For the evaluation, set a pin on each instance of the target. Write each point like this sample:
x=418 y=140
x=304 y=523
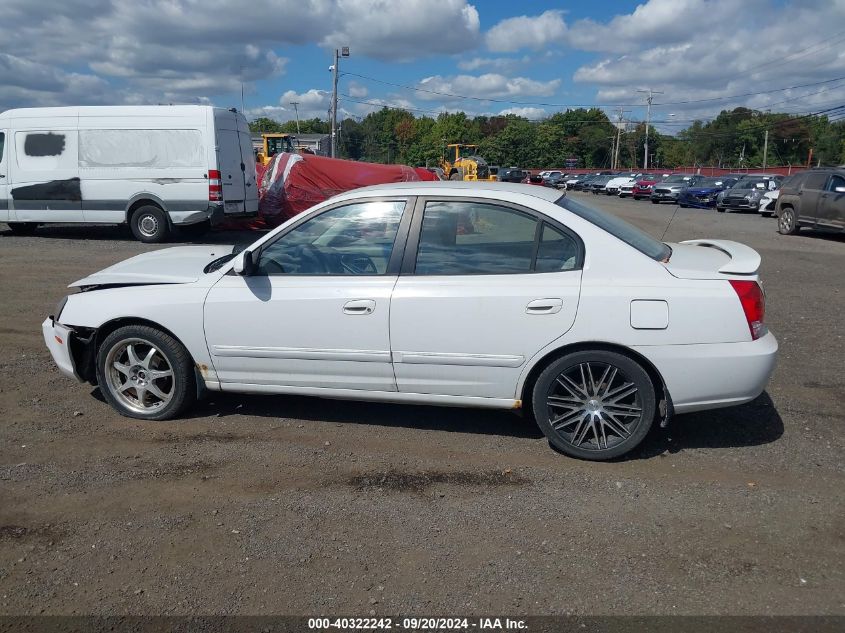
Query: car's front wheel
x=594 y=405
x=787 y=222
x=145 y=373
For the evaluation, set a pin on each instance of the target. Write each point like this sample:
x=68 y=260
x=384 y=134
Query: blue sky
x=529 y=58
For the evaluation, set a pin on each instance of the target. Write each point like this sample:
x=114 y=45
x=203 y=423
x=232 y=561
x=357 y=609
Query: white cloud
x=186 y=50
x=357 y=90
x=499 y=64
x=487 y=86
x=535 y=114
x=512 y=34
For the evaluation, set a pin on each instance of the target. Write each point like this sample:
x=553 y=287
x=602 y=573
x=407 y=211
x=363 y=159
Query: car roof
x=454 y=188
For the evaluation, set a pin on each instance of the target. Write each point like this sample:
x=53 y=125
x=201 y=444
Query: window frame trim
x=399 y=242
x=409 y=261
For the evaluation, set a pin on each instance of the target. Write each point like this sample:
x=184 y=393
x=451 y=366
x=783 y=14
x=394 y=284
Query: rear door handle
x=544 y=306
x=359 y=306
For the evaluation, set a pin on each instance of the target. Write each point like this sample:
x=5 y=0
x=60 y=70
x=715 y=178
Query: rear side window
x=815 y=181
x=475 y=238
x=46 y=151
x=628 y=233
x=2 y=144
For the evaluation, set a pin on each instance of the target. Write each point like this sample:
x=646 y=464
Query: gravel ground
x=288 y=505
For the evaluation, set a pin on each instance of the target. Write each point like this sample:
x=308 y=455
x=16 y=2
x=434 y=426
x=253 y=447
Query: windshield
x=628 y=233
x=676 y=178
x=277 y=145
x=750 y=183
x=710 y=182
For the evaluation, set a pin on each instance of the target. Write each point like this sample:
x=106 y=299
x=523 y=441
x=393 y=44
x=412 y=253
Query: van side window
x=2 y=144
x=45 y=151
x=149 y=149
x=44 y=144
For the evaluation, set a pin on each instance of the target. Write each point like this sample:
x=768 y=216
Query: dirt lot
x=283 y=505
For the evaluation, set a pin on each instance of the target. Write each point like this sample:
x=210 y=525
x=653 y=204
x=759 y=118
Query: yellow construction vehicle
x=462 y=162
x=274 y=144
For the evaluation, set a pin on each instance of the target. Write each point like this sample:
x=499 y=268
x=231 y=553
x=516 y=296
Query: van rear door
x=237 y=172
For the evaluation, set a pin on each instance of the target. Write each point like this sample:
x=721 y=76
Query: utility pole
x=338 y=53
x=765 y=148
x=620 y=120
x=295 y=109
x=650 y=96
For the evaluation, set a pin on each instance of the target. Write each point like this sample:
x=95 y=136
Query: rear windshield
x=628 y=233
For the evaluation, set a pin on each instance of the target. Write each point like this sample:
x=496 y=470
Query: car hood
x=179 y=265
x=742 y=192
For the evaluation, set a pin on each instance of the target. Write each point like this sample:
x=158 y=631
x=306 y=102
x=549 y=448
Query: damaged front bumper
x=58 y=340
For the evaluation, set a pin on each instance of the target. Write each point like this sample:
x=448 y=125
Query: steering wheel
x=359 y=264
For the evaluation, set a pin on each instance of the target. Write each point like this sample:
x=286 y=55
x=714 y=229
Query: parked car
x=598 y=184
x=582 y=183
x=494 y=295
x=768 y=203
x=642 y=187
x=813 y=198
x=703 y=193
x=155 y=168
x=555 y=181
x=615 y=184
x=746 y=193
x=546 y=174
x=534 y=179
x=669 y=189
x=511 y=174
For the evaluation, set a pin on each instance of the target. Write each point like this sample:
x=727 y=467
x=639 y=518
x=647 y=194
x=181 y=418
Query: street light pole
x=650 y=96
x=338 y=53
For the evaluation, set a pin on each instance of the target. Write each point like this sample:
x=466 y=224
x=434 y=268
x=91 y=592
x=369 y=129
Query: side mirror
x=244 y=264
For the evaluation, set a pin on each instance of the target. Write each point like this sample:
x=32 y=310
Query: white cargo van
x=157 y=168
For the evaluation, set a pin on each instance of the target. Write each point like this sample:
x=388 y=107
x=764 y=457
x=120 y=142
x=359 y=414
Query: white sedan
x=460 y=294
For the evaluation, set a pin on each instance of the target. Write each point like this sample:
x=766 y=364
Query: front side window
x=355 y=239
x=477 y=238
x=835 y=181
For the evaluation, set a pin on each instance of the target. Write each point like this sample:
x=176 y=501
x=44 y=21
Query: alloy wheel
x=139 y=375
x=594 y=406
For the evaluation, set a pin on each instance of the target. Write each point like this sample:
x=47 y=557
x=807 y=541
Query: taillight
x=215 y=186
x=753 y=304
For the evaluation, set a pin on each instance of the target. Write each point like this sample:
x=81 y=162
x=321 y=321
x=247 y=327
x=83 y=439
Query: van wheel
x=23 y=228
x=149 y=225
x=594 y=404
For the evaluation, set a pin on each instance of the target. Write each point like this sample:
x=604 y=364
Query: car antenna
x=670 y=222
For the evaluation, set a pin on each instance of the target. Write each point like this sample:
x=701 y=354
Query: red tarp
x=296 y=182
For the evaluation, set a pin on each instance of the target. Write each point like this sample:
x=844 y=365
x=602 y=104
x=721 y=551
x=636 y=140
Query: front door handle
x=544 y=306
x=359 y=306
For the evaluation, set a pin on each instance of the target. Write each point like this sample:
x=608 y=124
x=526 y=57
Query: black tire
x=720 y=209
x=788 y=221
x=149 y=224
x=195 y=231
x=766 y=214
x=653 y=201
x=455 y=176
x=23 y=228
x=684 y=206
x=615 y=373
x=169 y=355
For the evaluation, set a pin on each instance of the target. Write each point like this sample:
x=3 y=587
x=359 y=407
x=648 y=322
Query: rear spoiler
x=744 y=259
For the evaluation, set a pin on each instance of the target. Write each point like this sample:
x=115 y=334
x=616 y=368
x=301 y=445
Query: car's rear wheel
x=145 y=373
x=720 y=209
x=653 y=201
x=594 y=404
x=787 y=222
